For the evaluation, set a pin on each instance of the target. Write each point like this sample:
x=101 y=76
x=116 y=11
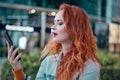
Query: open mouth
x=54 y=34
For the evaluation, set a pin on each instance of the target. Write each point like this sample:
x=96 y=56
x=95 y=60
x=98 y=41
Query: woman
x=72 y=49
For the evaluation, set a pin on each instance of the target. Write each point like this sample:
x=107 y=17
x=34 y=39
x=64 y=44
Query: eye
x=60 y=23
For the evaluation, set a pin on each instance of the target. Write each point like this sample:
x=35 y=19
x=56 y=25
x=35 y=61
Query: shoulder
x=49 y=59
x=91 y=63
x=91 y=71
x=91 y=66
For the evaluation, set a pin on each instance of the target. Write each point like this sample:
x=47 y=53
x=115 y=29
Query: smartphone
x=9 y=40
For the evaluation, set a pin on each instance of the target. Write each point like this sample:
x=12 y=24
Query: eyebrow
x=58 y=20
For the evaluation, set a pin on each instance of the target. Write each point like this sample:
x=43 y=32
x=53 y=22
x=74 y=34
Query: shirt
x=47 y=70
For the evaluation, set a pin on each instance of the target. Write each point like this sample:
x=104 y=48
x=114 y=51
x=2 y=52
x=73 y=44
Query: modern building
x=33 y=12
x=98 y=10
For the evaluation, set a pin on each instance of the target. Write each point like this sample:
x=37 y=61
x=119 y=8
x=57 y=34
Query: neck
x=66 y=47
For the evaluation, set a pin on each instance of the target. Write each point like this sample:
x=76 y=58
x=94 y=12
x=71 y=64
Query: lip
x=54 y=34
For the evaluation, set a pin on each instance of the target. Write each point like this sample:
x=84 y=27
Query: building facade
x=100 y=12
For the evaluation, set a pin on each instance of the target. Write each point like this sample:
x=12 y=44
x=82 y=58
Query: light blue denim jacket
x=47 y=70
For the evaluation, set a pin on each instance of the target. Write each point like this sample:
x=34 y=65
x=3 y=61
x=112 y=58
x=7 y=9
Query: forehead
x=59 y=16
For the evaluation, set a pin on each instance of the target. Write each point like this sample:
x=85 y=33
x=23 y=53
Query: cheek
x=63 y=33
x=62 y=37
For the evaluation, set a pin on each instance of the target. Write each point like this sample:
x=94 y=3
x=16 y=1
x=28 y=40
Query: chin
x=56 y=40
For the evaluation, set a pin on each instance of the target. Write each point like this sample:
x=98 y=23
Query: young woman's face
x=58 y=29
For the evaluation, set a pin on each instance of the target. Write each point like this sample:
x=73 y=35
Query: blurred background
x=28 y=23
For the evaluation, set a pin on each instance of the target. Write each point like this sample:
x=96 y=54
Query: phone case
x=7 y=37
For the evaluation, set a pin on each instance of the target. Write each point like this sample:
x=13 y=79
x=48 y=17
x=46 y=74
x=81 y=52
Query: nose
x=53 y=27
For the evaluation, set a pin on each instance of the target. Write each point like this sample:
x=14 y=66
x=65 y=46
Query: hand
x=12 y=59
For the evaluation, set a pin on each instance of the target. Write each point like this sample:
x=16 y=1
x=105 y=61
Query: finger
x=8 y=45
x=10 y=51
x=17 y=58
x=14 y=53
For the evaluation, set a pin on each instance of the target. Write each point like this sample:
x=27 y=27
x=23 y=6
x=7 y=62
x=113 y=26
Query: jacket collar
x=59 y=56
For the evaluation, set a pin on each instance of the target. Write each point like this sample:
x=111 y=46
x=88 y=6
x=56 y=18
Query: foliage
x=110 y=69
x=6 y=72
x=110 y=74
x=30 y=63
x=110 y=65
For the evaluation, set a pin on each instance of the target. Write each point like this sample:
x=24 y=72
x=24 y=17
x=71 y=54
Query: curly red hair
x=84 y=43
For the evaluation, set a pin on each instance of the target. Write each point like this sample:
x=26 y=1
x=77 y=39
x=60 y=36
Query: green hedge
x=30 y=63
x=110 y=74
x=110 y=66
